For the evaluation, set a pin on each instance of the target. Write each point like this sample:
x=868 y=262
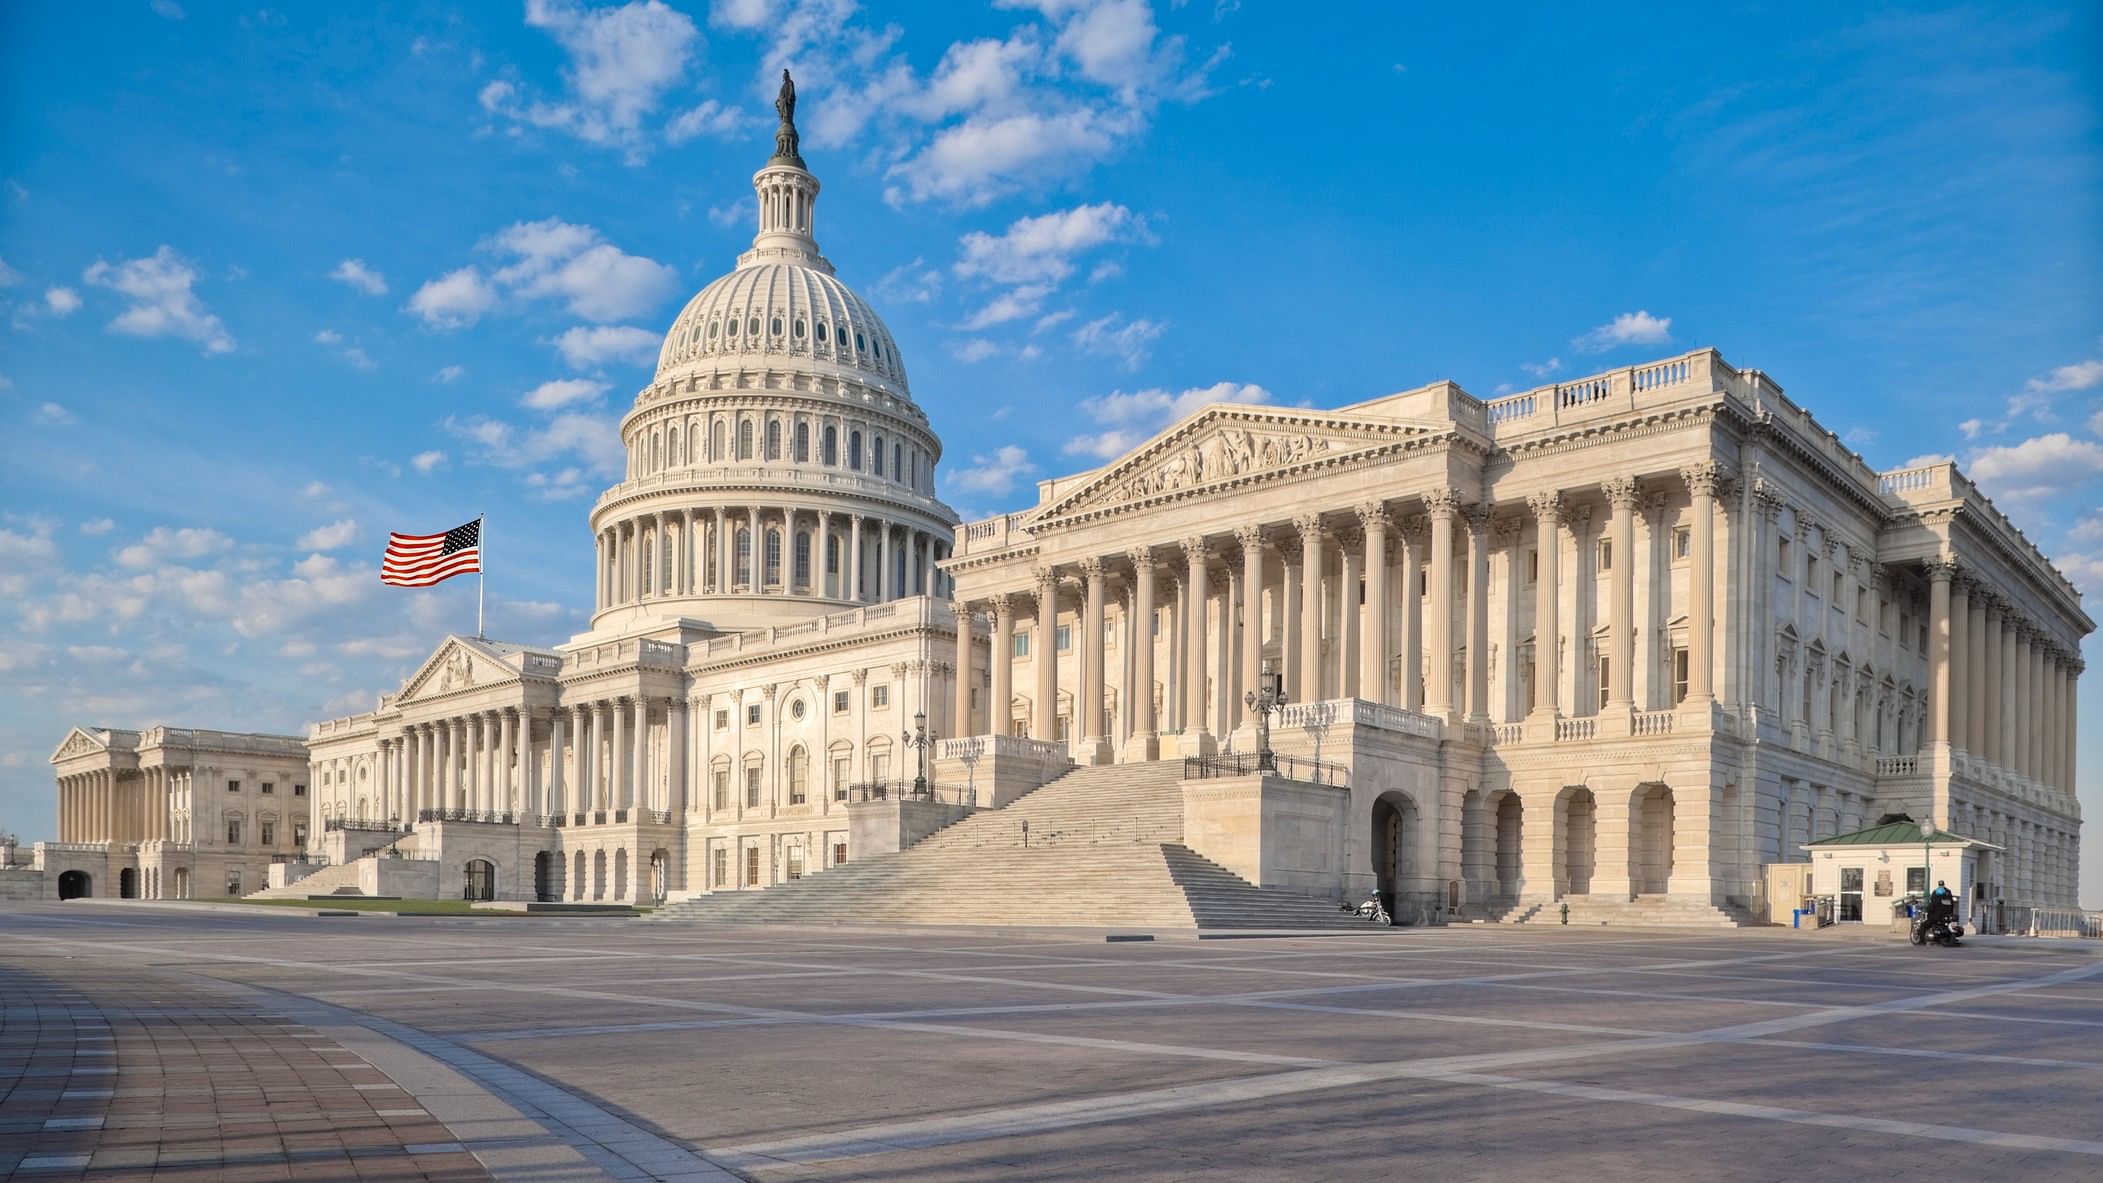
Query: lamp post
x=918 y=739
x=1267 y=698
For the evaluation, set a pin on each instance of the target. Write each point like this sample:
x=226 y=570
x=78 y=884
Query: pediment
x=459 y=664
x=78 y=742
x=1229 y=444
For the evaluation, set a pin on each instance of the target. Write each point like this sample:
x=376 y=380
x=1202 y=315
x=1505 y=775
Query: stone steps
x=1640 y=912
x=326 y=881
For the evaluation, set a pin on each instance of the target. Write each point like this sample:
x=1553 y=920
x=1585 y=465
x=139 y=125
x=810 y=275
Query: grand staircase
x=1097 y=847
x=1644 y=911
x=334 y=879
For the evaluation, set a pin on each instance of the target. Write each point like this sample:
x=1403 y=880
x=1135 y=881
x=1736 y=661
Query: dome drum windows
x=774 y=327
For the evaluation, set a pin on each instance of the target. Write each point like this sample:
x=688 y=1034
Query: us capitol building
x=1631 y=637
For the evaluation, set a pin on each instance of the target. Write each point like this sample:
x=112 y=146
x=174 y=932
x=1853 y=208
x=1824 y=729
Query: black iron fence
x=361 y=825
x=908 y=790
x=467 y=815
x=1319 y=772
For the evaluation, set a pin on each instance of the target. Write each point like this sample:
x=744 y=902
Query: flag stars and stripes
x=420 y=560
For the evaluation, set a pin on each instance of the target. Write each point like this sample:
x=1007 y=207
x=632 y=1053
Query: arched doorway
x=1578 y=824
x=480 y=880
x=75 y=885
x=546 y=867
x=578 y=881
x=128 y=884
x=620 y=873
x=1511 y=819
x=1395 y=836
x=182 y=883
x=660 y=875
x=598 y=874
x=1650 y=839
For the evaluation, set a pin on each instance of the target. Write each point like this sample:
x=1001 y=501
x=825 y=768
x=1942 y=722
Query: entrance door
x=481 y=880
x=128 y=884
x=73 y=885
x=1851 y=893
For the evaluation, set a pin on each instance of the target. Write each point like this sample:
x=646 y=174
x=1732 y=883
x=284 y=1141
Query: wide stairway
x=334 y=879
x=1098 y=847
x=1644 y=911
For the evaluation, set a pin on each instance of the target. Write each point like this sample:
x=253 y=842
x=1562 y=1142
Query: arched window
x=876 y=455
x=802 y=454
x=832 y=446
x=773 y=439
x=664 y=544
x=799 y=775
x=897 y=462
x=649 y=567
x=773 y=555
x=912 y=471
x=854 y=450
x=832 y=555
x=744 y=555
x=675 y=447
x=745 y=439
x=715 y=447
x=803 y=558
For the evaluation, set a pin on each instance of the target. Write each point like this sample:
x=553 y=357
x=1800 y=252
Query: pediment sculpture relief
x=78 y=745
x=459 y=671
x=1229 y=452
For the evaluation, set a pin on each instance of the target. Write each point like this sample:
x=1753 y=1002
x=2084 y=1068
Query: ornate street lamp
x=1264 y=701
x=918 y=739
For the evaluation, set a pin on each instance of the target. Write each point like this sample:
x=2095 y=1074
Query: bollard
x=1565 y=909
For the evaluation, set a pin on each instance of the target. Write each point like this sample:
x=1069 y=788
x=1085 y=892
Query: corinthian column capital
x=1442 y=503
x=1622 y=493
x=1546 y=506
x=1704 y=479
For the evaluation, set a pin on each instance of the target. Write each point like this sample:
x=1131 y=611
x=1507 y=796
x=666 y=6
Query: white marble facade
x=1633 y=634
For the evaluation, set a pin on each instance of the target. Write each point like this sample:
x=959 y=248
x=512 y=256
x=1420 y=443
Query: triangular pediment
x=1229 y=444
x=459 y=664
x=79 y=742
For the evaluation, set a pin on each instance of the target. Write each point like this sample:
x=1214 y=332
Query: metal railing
x=361 y=825
x=905 y=790
x=2038 y=920
x=467 y=815
x=1319 y=772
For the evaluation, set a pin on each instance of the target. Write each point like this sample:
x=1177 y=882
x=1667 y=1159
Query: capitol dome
x=778 y=467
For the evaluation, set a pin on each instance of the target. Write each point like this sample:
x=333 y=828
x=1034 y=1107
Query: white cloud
x=1131 y=341
x=52 y=415
x=560 y=485
x=329 y=537
x=993 y=475
x=167 y=9
x=2095 y=423
x=1541 y=369
x=585 y=346
x=1926 y=458
x=2079 y=376
x=1971 y=428
x=1013 y=304
x=97 y=527
x=910 y=283
x=989 y=156
x=622 y=62
x=1043 y=248
x=711 y=119
x=158 y=300
x=1629 y=328
x=427 y=461
x=449 y=374
x=62 y=301
x=592 y=440
x=1128 y=419
x=314 y=489
x=562 y=392
x=9 y=277
x=355 y=273
x=742 y=211
x=2036 y=467
x=162 y=545
x=973 y=351
x=349 y=353
x=455 y=300
x=33 y=547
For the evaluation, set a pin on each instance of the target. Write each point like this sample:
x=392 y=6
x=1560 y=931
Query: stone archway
x=479 y=880
x=620 y=873
x=1577 y=840
x=75 y=885
x=660 y=876
x=578 y=879
x=128 y=884
x=1650 y=853
x=1397 y=830
x=547 y=872
x=1511 y=829
x=182 y=883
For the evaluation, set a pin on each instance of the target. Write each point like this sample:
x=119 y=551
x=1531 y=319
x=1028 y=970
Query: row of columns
x=695 y=553
x=104 y=806
x=2001 y=690
x=488 y=762
x=1364 y=643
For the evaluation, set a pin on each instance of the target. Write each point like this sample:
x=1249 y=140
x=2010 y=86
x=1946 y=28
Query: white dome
x=768 y=313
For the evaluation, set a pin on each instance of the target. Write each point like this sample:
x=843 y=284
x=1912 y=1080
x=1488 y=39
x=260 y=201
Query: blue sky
x=274 y=281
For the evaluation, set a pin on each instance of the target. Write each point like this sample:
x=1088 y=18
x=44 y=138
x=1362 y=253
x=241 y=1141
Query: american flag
x=420 y=560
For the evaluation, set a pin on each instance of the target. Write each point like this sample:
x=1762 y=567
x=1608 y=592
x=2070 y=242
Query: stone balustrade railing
x=1004 y=747
x=1576 y=729
x=786 y=475
x=1898 y=765
x=1597 y=394
x=1654 y=722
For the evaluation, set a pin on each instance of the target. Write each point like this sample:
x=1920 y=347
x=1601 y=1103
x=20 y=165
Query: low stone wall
x=1270 y=831
x=884 y=827
x=410 y=879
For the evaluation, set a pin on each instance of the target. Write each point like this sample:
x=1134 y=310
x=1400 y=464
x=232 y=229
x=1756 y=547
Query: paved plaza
x=153 y=1042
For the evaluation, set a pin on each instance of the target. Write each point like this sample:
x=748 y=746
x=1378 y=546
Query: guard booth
x=1870 y=871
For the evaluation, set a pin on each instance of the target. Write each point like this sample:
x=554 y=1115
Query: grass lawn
x=409 y=907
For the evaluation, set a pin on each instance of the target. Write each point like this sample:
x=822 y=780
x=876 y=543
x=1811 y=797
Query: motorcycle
x=1372 y=909
x=1937 y=929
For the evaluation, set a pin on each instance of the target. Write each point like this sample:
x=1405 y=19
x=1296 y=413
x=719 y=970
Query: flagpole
x=482 y=541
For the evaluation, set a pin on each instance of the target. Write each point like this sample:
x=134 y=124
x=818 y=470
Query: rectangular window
x=1781 y=559
x=1606 y=674
x=233 y=786
x=880 y=768
x=1606 y=554
x=299 y=835
x=1682 y=542
x=722 y=720
x=1679 y=676
x=1916 y=880
x=752 y=866
x=269 y=833
x=1811 y=580
x=720 y=868
x=233 y=882
x=1839 y=586
x=839 y=853
x=299 y=790
x=880 y=696
x=1022 y=644
x=1533 y=567
x=752 y=715
x=269 y=789
x=795 y=862
x=233 y=832
x=1065 y=635
x=752 y=787
x=840 y=701
x=840 y=767
x=722 y=786
x=1862 y=605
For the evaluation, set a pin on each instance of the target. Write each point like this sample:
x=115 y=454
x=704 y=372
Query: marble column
x=1000 y=700
x=1289 y=557
x=1622 y=495
x=558 y=791
x=676 y=773
x=1195 y=740
x=1940 y=573
x=1547 y=624
x=1312 y=559
x=1476 y=613
x=1975 y=666
x=960 y=709
x=1993 y=693
x=641 y=792
x=1251 y=540
x=1145 y=741
x=1442 y=505
x=1960 y=663
x=1350 y=553
x=2020 y=720
x=1411 y=616
x=507 y=750
x=854 y=559
x=1095 y=745
x=1703 y=480
x=1044 y=657
x=1373 y=643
